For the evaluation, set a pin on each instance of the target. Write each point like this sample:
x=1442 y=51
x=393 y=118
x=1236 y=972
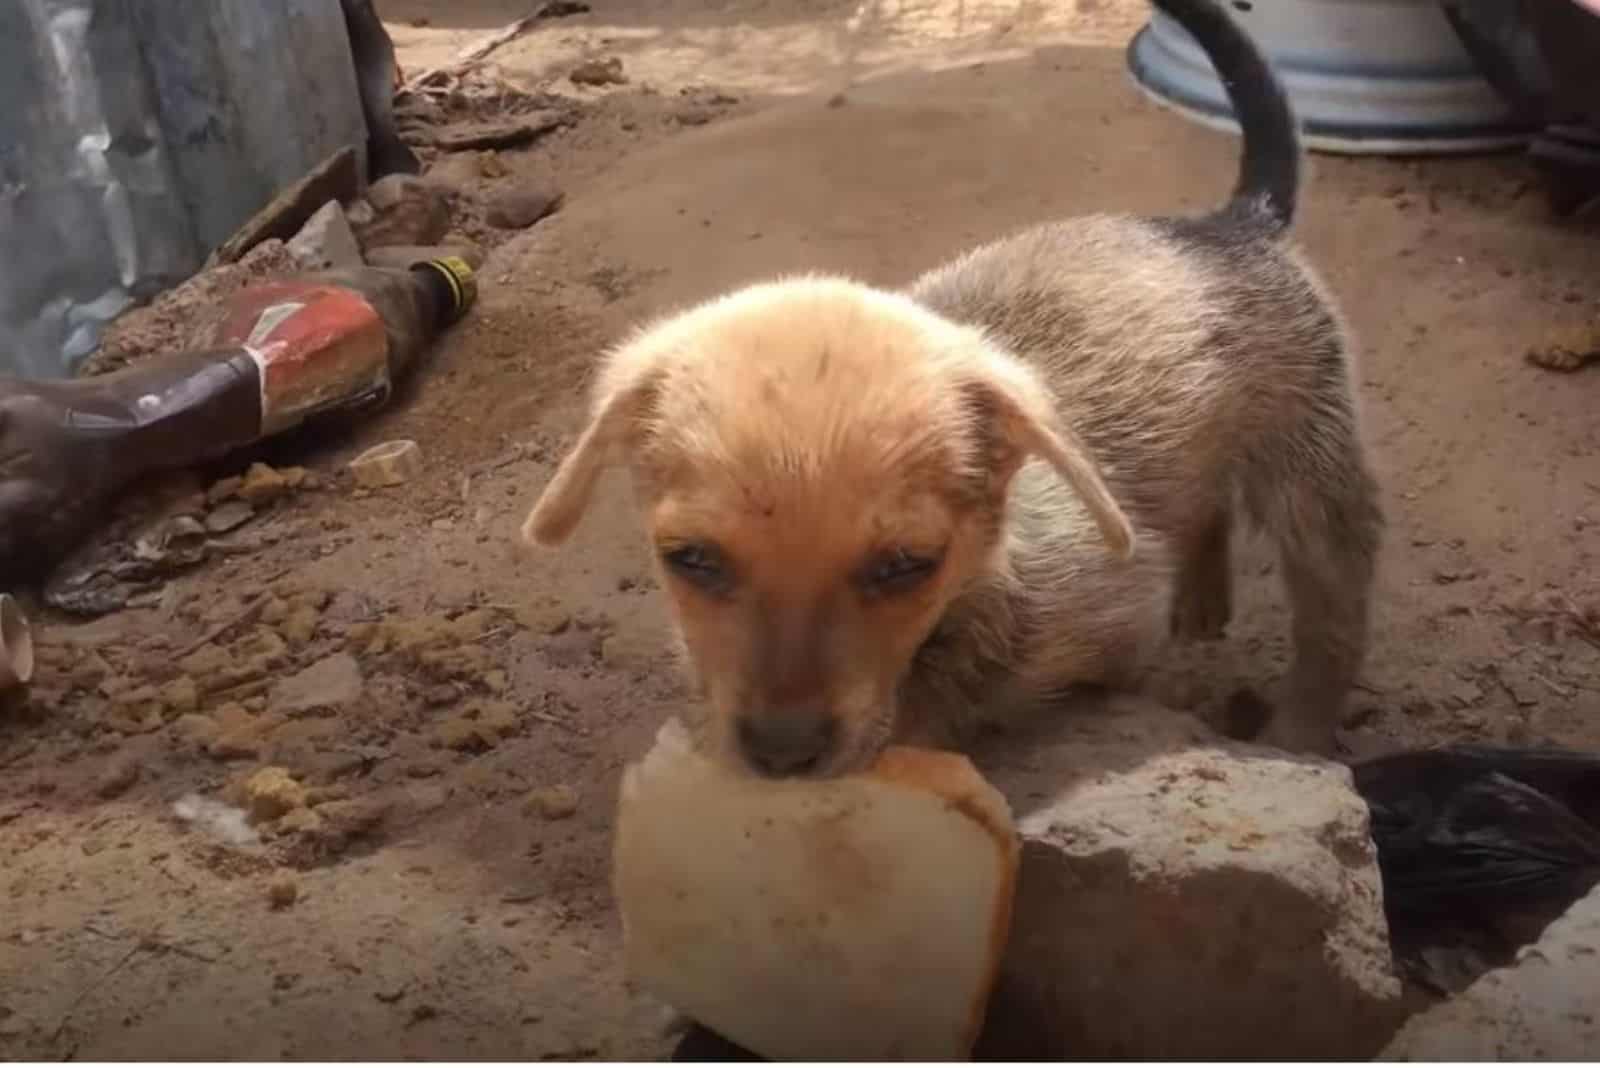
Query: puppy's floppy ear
x=620 y=402
x=1016 y=419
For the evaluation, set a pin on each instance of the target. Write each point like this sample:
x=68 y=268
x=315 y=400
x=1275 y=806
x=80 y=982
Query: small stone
x=300 y=821
x=272 y=792
x=118 y=778
x=490 y=165
x=359 y=213
x=464 y=735
x=333 y=682
x=281 y=893
x=345 y=821
x=598 y=72
x=223 y=489
x=229 y=515
x=694 y=115
x=180 y=697
x=495 y=681
x=238 y=734
x=196 y=730
x=553 y=802
x=274 y=611
x=141 y=719
x=326 y=240
x=262 y=485
x=208 y=660
x=391 y=463
x=517 y=209
x=409 y=211
x=499 y=717
x=300 y=626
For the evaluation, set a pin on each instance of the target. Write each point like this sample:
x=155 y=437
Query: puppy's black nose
x=791 y=742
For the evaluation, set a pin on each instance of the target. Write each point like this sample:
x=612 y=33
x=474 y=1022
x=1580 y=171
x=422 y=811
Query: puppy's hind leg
x=1319 y=501
x=1203 y=604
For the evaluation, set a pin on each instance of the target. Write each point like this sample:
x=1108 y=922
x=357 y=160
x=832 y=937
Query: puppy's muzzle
x=790 y=741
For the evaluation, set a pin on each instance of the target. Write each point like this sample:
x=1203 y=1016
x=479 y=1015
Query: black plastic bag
x=1479 y=849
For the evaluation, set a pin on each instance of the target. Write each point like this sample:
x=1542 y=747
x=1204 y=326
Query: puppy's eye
x=898 y=571
x=700 y=564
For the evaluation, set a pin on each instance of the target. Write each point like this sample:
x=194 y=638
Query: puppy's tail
x=1269 y=173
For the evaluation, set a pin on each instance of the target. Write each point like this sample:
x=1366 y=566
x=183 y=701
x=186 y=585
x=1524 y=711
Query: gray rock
x=517 y=209
x=1185 y=898
x=326 y=240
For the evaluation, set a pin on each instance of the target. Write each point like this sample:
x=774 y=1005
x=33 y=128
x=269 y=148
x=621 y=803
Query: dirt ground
x=454 y=711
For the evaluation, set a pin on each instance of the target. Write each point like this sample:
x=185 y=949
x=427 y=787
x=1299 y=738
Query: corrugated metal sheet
x=136 y=135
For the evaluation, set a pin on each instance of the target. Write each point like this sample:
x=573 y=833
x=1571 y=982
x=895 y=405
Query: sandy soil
x=454 y=712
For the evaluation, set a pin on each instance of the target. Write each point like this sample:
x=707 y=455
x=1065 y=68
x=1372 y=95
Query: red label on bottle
x=318 y=347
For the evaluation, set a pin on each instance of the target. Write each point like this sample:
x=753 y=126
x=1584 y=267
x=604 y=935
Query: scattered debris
x=119 y=777
x=273 y=792
x=326 y=240
x=263 y=484
x=392 y=463
x=480 y=727
x=217 y=819
x=282 y=893
x=331 y=683
x=229 y=515
x=105 y=577
x=342 y=823
x=553 y=802
x=517 y=209
x=598 y=72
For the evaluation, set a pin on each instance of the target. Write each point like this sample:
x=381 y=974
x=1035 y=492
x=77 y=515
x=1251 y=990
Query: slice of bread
x=860 y=918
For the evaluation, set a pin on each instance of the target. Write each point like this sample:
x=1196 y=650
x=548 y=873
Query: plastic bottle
x=288 y=351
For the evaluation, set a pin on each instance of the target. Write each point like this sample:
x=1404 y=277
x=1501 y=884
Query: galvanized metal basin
x=1384 y=77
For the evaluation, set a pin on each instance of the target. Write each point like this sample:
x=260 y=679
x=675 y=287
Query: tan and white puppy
x=887 y=516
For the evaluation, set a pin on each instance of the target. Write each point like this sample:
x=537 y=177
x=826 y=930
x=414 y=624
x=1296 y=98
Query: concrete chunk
x=326 y=240
x=1544 y=1007
x=1184 y=898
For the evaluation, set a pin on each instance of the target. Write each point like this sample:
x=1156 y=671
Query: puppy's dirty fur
x=890 y=516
